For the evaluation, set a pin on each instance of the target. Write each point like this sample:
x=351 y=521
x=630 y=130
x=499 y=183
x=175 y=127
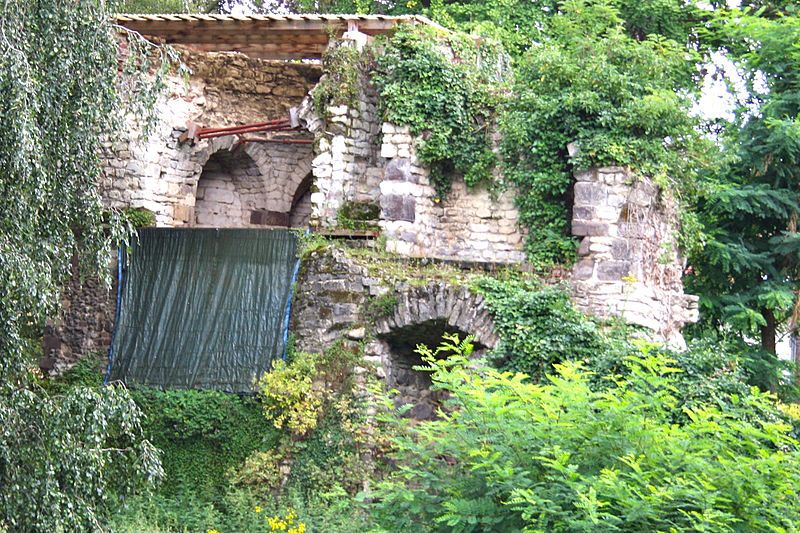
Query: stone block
x=399 y=169
x=583 y=228
x=219 y=195
x=583 y=212
x=584 y=269
x=396 y=207
x=183 y=213
x=388 y=151
x=612 y=270
x=589 y=193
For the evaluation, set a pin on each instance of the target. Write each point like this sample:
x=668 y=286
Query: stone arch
x=301 y=210
x=230 y=188
x=277 y=170
x=422 y=316
x=284 y=167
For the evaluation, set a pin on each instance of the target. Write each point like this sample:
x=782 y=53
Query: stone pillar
x=629 y=265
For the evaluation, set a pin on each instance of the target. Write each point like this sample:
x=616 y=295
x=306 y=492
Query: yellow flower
x=258 y=509
x=213 y=531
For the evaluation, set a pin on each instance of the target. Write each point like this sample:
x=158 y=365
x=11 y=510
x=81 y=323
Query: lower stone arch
x=422 y=316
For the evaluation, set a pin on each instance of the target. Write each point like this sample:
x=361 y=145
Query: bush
x=537 y=325
x=510 y=455
x=202 y=434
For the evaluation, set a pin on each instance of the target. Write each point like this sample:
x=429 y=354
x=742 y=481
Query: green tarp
x=203 y=308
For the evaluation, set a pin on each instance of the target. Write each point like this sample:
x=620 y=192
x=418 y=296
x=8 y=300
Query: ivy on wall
x=589 y=94
x=445 y=88
x=612 y=99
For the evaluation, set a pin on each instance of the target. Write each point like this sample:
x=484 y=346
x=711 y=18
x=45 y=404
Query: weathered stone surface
x=581 y=228
x=396 y=207
x=331 y=302
x=399 y=170
x=629 y=266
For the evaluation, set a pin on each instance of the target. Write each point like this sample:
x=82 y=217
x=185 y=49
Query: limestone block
x=584 y=228
x=612 y=270
x=388 y=151
x=589 y=193
x=584 y=269
x=398 y=207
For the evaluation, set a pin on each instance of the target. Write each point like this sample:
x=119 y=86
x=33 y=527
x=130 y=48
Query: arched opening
x=422 y=316
x=414 y=386
x=229 y=190
x=300 y=212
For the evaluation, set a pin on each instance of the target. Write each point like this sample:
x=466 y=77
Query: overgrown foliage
x=62 y=457
x=66 y=459
x=342 y=65
x=538 y=326
x=448 y=101
x=512 y=455
x=748 y=271
x=592 y=89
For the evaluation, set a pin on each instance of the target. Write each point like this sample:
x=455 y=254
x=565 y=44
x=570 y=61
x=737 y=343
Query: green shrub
x=313 y=400
x=512 y=455
x=537 y=325
x=202 y=434
x=448 y=103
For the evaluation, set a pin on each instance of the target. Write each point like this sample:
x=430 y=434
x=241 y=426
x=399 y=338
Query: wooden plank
x=273 y=38
x=292 y=36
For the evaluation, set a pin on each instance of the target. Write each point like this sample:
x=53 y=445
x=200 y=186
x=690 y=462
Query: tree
x=63 y=458
x=171 y=6
x=748 y=272
x=618 y=100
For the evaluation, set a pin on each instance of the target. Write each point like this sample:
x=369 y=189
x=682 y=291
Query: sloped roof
x=263 y=36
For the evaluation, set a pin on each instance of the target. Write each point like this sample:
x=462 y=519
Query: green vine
x=447 y=102
x=613 y=99
x=339 y=85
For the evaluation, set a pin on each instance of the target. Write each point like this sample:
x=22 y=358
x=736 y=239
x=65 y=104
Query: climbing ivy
x=593 y=90
x=445 y=88
x=340 y=82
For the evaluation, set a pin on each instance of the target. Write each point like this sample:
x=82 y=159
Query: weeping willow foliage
x=65 y=82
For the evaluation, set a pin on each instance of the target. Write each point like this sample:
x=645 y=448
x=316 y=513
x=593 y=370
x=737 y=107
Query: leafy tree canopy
x=64 y=457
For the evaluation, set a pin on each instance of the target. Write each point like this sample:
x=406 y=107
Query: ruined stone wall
x=337 y=297
x=467 y=224
x=161 y=174
x=346 y=166
x=361 y=159
x=85 y=324
x=629 y=264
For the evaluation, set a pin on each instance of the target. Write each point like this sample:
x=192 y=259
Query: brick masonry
x=629 y=265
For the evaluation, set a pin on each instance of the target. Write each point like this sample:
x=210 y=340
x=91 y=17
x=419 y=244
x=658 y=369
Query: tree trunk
x=768 y=332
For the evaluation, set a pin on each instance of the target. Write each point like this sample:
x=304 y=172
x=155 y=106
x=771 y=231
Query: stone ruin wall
x=628 y=263
x=359 y=158
x=335 y=299
x=206 y=184
x=356 y=157
x=170 y=179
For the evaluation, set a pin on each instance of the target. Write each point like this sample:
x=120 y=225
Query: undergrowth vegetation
x=289 y=458
x=562 y=454
x=570 y=424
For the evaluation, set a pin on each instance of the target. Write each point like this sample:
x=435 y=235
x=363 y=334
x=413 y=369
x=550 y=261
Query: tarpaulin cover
x=203 y=308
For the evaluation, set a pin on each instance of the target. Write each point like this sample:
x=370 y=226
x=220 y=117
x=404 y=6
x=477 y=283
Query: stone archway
x=253 y=184
x=422 y=316
x=229 y=190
